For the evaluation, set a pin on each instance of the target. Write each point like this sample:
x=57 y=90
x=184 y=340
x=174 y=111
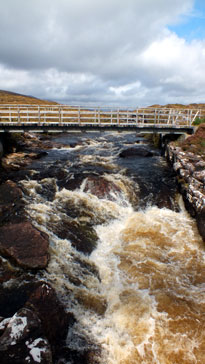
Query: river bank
x=187 y=158
x=109 y=238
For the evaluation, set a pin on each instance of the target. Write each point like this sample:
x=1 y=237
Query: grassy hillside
x=195 y=143
x=7 y=97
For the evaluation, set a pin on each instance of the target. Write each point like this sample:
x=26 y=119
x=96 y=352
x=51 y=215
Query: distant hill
x=8 y=97
x=181 y=106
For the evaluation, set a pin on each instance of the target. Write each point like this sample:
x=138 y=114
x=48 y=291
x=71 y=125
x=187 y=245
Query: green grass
x=199 y=121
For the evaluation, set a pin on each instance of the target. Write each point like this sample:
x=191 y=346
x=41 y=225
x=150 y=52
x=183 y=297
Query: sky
x=104 y=52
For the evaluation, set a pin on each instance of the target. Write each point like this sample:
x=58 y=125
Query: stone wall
x=190 y=171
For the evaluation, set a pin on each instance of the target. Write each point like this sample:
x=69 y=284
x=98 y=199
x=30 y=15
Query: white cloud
x=102 y=52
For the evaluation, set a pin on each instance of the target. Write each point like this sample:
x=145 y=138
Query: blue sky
x=192 y=25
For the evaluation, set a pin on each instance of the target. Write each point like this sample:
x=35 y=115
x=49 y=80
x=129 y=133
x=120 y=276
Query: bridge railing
x=62 y=114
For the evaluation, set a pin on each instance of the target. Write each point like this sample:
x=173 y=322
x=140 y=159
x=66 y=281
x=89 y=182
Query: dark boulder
x=47 y=189
x=9 y=193
x=22 y=340
x=71 y=183
x=137 y=151
x=101 y=187
x=25 y=245
x=11 y=203
x=56 y=172
x=54 y=319
x=200 y=219
x=82 y=236
x=16 y=292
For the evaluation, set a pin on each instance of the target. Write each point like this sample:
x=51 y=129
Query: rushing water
x=139 y=296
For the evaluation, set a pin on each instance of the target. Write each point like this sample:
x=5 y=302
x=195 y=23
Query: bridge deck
x=18 y=118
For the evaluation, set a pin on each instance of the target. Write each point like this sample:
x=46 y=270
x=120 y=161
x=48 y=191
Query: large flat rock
x=25 y=244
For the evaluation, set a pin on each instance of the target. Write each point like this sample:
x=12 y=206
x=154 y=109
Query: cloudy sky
x=104 y=52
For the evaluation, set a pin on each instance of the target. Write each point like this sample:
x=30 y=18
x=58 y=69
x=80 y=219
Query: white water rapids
x=140 y=295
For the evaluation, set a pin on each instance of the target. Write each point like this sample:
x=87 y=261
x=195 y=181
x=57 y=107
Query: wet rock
x=16 y=161
x=58 y=173
x=101 y=187
x=11 y=203
x=7 y=272
x=47 y=189
x=137 y=151
x=200 y=165
x=3 y=324
x=31 y=136
x=164 y=200
x=55 y=320
x=82 y=236
x=189 y=168
x=18 y=328
x=22 y=340
x=86 y=356
x=37 y=154
x=71 y=182
x=40 y=299
x=9 y=192
x=25 y=245
x=200 y=176
x=14 y=293
x=200 y=219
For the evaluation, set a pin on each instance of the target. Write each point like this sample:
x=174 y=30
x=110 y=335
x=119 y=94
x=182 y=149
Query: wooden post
x=118 y=117
x=79 y=120
x=137 y=116
x=99 y=115
x=169 y=116
x=45 y=116
x=39 y=115
x=188 y=118
x=19 y=118
x=59 y=112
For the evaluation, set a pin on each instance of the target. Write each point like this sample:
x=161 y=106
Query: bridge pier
x=165 y=139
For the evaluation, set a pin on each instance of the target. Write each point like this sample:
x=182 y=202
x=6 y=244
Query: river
x=125 y=256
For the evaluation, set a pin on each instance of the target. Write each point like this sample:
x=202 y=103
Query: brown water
x=146 y=304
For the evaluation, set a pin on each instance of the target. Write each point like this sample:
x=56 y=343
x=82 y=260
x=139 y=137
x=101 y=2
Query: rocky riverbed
x=33 y=322
x=188 y=161
x=81 y=192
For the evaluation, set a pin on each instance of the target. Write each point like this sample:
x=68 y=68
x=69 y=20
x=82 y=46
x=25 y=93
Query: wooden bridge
x=55 y=118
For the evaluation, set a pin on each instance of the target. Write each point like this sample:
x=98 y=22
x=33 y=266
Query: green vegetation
x=195 y=143
x=199 y=121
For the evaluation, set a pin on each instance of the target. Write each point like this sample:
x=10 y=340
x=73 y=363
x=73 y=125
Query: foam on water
x=140 y=294
x=151 y=266
x=155 y=296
